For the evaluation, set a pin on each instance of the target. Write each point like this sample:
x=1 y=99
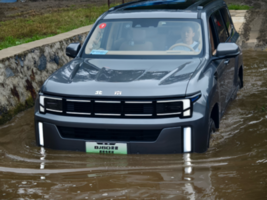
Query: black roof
x=163 y=5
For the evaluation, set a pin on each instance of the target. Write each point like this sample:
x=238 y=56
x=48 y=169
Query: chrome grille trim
x=70 y=100
x=169 y=101
x=138 y=115
x=47 y=97
x=107 y=114
x=162 y=114
x=107 y=102
x=78 y=113
x=59 y=111
x=133 y=102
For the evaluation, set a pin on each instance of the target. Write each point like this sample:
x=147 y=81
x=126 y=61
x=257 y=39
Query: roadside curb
x=12 y=51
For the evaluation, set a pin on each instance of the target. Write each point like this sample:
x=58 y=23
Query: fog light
x=41 y=134
x=187 y=140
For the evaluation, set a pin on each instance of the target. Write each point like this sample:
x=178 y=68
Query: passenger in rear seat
x=188 y=34
x=138 y=41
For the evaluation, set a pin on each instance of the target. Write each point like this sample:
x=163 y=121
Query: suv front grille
x=106 y=107
x=138 y=108
x=156 y=108
x=78 y=107
x=109 y=134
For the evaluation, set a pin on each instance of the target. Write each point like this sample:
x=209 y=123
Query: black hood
x=123 y=77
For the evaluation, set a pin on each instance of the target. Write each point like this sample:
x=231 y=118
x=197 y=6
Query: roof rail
x=119 y=6
x=125 y=4
x=199 y=8
x=201 y=4
x=206 y=2
x=196 y=4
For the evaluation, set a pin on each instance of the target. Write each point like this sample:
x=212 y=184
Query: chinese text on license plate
x=108 y=148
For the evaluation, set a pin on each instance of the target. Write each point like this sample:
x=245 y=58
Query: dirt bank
x=20 y=9
x=36 y=7
x=253 y=32
x=28 y=8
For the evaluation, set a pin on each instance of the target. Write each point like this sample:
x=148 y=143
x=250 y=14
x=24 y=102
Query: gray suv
x=152 y=77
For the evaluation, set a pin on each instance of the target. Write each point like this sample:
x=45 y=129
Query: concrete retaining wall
x=24 y=68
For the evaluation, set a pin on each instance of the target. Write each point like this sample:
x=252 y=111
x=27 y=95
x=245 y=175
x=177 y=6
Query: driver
x=188 y=33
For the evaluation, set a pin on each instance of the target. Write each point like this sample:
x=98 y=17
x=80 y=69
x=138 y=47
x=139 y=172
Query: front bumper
x=170 y=140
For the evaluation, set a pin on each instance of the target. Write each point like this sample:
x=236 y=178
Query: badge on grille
x=98 y=92
x=117 y=93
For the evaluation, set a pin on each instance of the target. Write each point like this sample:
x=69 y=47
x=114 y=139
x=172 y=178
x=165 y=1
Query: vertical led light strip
x=42 y=103
x=187 y=140
x=186 y=104
x=41 y=134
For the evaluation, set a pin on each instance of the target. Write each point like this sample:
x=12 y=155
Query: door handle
x=226 y=62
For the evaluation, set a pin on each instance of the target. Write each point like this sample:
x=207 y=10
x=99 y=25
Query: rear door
x=232 y=61
x=226 y=67
x=233 y=36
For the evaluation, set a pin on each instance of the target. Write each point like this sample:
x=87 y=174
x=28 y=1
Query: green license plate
x=106 y=148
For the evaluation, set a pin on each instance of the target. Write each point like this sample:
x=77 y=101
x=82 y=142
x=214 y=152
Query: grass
x=21 y=30
x=36 y=27
x=238 y=7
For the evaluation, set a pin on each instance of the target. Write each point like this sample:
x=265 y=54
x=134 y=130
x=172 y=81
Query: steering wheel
x=181 y=44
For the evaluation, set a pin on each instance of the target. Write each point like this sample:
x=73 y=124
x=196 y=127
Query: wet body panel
x=120 y=78
x=143 y=78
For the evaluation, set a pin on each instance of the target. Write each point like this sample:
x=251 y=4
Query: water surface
x=235 y=167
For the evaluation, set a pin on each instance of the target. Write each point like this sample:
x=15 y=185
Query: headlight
x=181 y=107
x=50 y=104
x=169 y=108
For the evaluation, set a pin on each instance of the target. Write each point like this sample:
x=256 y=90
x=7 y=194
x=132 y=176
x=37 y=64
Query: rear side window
x=227 y=20
x=212 y=39
x=219 y=26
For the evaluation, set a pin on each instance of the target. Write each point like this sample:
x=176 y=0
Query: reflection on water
x=233 y=168
x=42 y=158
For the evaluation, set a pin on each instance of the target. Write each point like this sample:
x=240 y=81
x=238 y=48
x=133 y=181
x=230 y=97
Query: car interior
x=124 y=36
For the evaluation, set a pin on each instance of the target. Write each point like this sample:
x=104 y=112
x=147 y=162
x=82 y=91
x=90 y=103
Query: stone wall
x=22 y=75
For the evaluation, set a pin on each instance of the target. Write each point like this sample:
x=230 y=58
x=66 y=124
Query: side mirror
x=73 y=49
x=227 y=50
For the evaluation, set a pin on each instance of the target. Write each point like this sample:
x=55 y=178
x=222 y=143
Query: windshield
x=146 y=37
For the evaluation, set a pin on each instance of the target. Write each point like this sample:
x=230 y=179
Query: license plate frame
x=106 y=148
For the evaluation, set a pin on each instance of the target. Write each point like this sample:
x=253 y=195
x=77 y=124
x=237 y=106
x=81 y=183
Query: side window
x=212 y=38
x=220 y=28
x=227 y=20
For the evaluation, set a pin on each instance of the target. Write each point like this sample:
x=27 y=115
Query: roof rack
x=125 y=4
x=163 y=4
x=206 y=2
x=119 y=6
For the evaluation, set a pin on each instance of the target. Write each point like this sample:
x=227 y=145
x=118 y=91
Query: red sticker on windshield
x=101 y=26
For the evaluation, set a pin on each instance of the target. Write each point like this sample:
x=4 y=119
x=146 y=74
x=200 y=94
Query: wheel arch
x=215 y=115
x=240 y=75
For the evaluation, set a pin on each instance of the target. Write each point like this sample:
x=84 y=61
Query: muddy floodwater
x=235 y=167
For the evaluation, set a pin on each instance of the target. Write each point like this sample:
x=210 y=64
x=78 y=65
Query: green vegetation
x=19 y=108
x=238 y=7
x=21 y=30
